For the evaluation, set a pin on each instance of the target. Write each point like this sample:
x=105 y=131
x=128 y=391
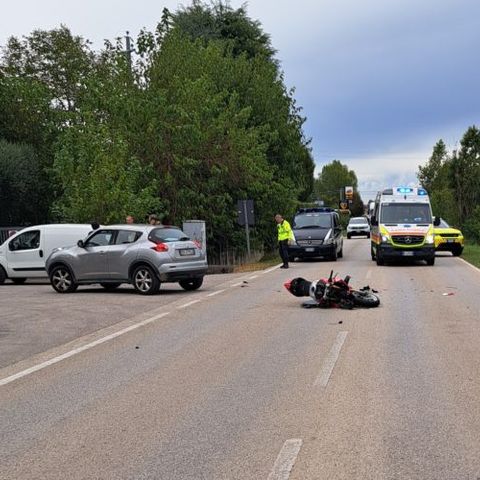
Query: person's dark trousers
x=283 y=250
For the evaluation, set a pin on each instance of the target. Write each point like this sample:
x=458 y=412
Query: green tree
x=435 y=176
x=465 y=168
x=333 y=178
x=99 y=179
x=219 y=21
x=430 y=171
x=21 y=185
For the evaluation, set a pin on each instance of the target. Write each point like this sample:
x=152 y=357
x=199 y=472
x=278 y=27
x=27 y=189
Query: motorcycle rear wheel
x=365 y=299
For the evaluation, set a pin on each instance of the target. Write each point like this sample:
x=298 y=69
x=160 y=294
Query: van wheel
x=334 y=255
x=3 y=275
x=62 y=280
x=19 y=281
x=145 y=281
x=349 y=236
x=340 y=253
x=109 y=287
x=431 y=261
x=193 y=284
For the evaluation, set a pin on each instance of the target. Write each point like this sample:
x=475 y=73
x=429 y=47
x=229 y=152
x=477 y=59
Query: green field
x=471 y=253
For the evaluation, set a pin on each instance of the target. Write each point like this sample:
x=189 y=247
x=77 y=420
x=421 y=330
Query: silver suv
x=358 y=226
x=144 y=256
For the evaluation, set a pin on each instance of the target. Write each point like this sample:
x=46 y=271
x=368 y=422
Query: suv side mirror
x=436 y=221
x=373 y=221
x=81 y=244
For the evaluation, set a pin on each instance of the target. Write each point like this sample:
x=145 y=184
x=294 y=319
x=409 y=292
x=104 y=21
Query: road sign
x=246 y=213
x=246 y=218
x=349 y=193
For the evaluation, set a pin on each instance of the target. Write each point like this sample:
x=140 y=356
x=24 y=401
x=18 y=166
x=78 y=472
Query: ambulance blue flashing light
x=404 y=190
x=421 y=191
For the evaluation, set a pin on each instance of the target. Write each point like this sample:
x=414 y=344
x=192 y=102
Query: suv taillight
x=197 y=244
x=160 y=247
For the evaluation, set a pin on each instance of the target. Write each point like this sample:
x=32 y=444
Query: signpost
x=246 y=218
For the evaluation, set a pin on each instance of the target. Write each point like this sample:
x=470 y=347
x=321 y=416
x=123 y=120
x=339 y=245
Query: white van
x=23 y=255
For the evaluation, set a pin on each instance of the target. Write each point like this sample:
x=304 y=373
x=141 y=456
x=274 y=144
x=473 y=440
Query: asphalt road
x=245 y=384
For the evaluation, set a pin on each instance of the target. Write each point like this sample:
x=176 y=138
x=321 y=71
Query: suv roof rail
x=315 y=210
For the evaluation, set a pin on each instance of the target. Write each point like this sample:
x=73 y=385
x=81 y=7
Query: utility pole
x=129 y=50
x=247 y=228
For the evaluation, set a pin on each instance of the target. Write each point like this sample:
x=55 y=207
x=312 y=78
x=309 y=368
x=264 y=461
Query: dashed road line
x=237 y=284
x=218 y=292
x=330 y=361
x=188 y=304
x=286 y=460
x=253 y=277
x=71 y=353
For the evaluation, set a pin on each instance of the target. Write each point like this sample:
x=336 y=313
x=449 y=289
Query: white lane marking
x=272 y=269
x=237 y=284
x=369 y=273
x=253 y=277
x=331 y=360
x=188 y=304
x=215 y=293
x=286 y=460
x=75 y=351
x=469 y=264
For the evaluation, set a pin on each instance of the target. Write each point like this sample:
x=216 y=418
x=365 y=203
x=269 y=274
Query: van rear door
x=25 y=255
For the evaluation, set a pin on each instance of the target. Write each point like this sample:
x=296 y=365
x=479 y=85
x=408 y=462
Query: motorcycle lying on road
x=332 y=292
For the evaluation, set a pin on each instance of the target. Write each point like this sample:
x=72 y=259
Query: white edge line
x=469 y=264
x=215 y=293
x=286 y=460
x=253 y=277
x=330 y=361
x=185 y=305
x=71 y=353
x=237 y=284
x=272 y=269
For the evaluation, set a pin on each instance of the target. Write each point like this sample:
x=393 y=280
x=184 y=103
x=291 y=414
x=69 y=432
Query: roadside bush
x=471 y=228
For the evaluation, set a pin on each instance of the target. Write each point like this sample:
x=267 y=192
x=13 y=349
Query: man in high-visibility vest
x=285 y=234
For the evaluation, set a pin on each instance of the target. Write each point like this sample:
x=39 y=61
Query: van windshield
x=406 y=213
x=313 y=220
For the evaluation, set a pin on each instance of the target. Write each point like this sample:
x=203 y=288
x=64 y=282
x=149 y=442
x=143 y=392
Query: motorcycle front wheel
x=365 y=299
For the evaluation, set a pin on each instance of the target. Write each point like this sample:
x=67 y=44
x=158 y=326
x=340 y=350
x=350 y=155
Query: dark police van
x=317 y=234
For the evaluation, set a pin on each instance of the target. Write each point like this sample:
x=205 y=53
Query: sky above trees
x=380 y=81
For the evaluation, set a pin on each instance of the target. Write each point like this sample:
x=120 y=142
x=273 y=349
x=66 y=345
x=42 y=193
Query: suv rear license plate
x=407 y=254
x=184 y=252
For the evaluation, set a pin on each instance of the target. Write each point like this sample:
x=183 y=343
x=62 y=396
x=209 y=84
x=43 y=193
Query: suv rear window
x=313 y=220
x=166 y=235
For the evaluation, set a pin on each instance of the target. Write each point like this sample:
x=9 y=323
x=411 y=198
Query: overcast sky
x=380 y=81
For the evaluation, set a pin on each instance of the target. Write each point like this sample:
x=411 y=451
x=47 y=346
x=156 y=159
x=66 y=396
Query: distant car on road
x=317 y=234
x=358 y=226
x=142 y=255
x=448 y=239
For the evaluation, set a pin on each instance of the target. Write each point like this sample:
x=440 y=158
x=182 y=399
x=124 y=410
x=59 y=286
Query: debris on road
x=448 y=294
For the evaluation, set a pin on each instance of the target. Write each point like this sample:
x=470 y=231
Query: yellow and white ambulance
x=403 y=225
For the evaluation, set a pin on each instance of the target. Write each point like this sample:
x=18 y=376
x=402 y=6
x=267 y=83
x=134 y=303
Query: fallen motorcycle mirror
x=332 y=292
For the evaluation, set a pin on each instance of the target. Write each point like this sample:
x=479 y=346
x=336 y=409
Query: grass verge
x=471 y=253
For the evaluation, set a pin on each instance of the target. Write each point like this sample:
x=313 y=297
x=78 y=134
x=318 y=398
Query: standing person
x=129 y=220
x=285 y=233
x=154 y=220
